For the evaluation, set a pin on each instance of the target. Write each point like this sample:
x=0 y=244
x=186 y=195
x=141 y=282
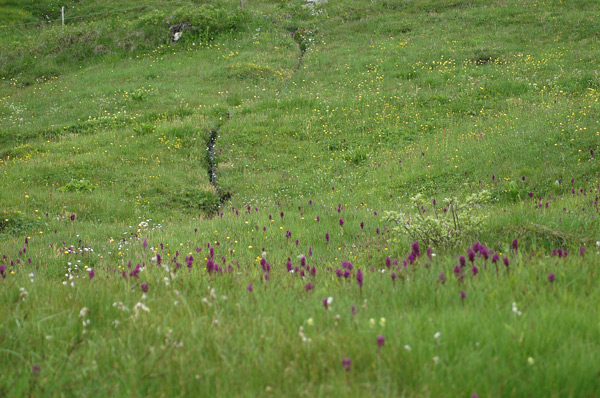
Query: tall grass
x=316 y=119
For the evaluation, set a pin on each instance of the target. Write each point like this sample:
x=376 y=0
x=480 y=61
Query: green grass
x=341 y=111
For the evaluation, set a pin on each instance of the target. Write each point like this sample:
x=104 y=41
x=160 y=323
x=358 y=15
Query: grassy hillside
x=218 y=186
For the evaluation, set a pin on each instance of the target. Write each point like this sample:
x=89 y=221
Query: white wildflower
x=140 y=307
x=515 y=309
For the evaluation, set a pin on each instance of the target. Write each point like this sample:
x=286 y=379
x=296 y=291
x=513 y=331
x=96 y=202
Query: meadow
x=347 y=198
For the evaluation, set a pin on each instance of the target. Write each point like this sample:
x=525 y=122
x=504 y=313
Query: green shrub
x=144 y=128
x=445 y=226
x=78 y=186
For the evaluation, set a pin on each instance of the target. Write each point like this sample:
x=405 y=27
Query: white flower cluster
x=515 y=309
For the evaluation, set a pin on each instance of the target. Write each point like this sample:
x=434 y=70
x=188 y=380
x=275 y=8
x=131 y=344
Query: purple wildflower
x=442 y=278
x=145 y=244
x=415 y=248
x=380 y=341
x=471 y=255
x=359 y=278
x=551 y=277
x=484 y=253
x=250 y=287
x=91 y=273
x=346 y=364
x=144 y=287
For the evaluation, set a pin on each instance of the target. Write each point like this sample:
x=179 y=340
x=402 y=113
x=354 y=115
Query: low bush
x=445 y=226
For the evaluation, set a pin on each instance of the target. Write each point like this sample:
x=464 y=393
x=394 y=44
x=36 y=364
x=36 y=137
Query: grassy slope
x=456 y=92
